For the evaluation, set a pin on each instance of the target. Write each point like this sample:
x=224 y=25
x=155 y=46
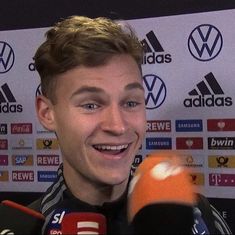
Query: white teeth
x=111 y=147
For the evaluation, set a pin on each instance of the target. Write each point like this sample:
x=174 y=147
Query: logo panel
x=193 y=125
x=3 y=128
x=4 y=176
x=159 y=143
x=205 y=42
x=221 y=124
x=189 y=143
x=48 y=160
x=47 y=176
x=158 y=126
x=22 y=160
x=197 y=178
x=22 y=176
x=49 y=143
x=3 y=160
x=7 y=57
x=222 y=179
x=221 y=161
x=21 y=128
x=21 y=143
x=3 y=144
x=221 y=142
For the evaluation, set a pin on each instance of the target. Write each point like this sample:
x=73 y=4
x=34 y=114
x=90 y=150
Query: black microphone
x=161 y=197
x=17 y=219
x=84 y=223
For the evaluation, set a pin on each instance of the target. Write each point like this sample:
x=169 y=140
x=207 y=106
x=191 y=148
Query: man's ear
x=45 y=112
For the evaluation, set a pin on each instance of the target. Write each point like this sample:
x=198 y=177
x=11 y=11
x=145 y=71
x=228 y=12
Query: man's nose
x=114 y=120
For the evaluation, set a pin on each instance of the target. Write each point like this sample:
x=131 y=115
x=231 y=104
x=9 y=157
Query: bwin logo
x=208 y=94
x=205 y=42
x=156 y=91
x=7 y=57
x=154 y=52
x=8 y=102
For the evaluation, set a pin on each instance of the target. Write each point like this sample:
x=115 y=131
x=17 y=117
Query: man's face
x=100 y=121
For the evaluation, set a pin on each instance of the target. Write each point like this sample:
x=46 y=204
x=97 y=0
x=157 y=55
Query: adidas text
x=208 y=101
x=153 y=58
x=11 y=108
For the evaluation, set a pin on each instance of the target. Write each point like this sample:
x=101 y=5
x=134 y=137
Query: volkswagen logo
x=205 y=42
x=155 y=91
x=7 y=57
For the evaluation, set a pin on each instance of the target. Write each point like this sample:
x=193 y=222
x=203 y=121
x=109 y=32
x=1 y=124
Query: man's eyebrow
x=87 y=89
x=134 y=85
x=92 y=89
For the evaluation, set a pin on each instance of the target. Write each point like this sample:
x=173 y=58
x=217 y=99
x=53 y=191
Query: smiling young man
x=93 y=99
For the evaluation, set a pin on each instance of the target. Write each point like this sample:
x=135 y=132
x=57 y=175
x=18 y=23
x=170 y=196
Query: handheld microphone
x=18 y=219
x=161 y=197
x=83 y=223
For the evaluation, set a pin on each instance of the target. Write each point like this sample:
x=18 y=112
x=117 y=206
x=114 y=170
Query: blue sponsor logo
x=47 y=176
x=193 y=125
x=159 y=143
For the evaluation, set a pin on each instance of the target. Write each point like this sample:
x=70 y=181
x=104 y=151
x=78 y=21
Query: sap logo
x=208 y=94
x=7 y=57
x=221 y=142
x=154 y=52
x=20 y=160
x=155 y=93
x=205 y=42
x=58 y=217
x=8 y=103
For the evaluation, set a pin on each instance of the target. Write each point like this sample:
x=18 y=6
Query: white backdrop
x=189 y=80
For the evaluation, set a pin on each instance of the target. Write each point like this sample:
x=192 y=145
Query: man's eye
x=90 y=106
x=131 y=104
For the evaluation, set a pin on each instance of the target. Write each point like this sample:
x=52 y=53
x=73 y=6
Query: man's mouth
x=111 y=149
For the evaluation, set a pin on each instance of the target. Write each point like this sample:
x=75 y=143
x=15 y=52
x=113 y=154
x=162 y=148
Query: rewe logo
x=8 y=102
x=208 y=94
x=154 y=52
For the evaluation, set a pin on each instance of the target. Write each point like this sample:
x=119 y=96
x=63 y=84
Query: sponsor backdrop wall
x=188 y=75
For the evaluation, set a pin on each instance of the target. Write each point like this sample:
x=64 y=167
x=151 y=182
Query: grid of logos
x=20 y=152
x=189 y=100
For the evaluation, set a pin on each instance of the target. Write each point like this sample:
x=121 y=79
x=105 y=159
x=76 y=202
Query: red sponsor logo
x=22 y=176
x=21 y=128
x=189 y=143
x=221 y=179
x=3 y=144
x=221 y=124
x=48 y=160
x=3 y=160
x=159 y=126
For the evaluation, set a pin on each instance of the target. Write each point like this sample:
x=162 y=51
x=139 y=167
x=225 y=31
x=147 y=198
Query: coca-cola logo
x=21 y=128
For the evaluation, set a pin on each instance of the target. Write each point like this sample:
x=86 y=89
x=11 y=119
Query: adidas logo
x=154 y=52
x=8 y=102
x=208 y=93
